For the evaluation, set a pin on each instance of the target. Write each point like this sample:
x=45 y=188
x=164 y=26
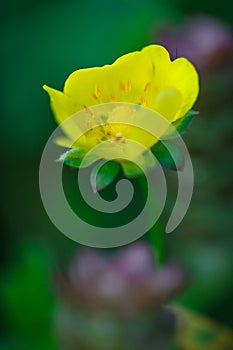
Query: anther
x=112 y=98
x=118 y=136
x=122 y=86
x=147 y=87
x=128 y=86
x=142 y=101
x=97 y=93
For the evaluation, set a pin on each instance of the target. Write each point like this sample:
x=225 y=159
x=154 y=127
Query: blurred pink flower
x=204 y=40
x=125 y=281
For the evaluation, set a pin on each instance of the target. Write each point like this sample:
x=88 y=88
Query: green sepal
x=164 y=157
x=103 y=175
x=74 y=158
x=142 y=164
x=131 y=169
x=180 y=125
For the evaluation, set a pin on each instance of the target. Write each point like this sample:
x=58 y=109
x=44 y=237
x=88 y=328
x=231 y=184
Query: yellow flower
x=148 y=78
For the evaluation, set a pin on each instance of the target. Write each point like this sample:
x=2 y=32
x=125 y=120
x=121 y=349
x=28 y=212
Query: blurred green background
x=43 y=42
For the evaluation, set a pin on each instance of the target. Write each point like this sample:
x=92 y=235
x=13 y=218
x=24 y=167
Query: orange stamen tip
x=112 y=98
x=97 y=93
x=122 y=86
x=147 y=87
x=142 y=101
x=128 y=86
x=84 y=106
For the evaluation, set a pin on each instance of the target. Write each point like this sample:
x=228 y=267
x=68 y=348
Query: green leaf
x=131 y=169
x=103 y=175
x=182 y=123
x=143 y=163
x=74 y=158
x=171 y=158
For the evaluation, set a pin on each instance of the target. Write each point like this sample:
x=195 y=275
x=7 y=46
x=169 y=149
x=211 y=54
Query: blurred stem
x=155 y=235
x=156 y=239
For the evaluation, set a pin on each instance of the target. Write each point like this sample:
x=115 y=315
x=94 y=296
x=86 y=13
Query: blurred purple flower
x=126 y=281
x=204 y=40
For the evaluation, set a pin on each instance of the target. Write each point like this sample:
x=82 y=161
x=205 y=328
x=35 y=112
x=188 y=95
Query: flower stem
x=155 y=235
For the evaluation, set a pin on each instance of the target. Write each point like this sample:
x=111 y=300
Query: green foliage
x=74 y=158
x=28 y=301
x=131 y=169
x=143 y=163
x=102 y=176
x=182 y=123
x=171 y=158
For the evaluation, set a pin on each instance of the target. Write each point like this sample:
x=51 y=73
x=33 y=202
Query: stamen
x=125 y=87
x=142 y=101
x=97 y=93
x=112 y=98
x=88 y=110
x=118 y=136
x=122 y=86
x=147 y=87
x=128 y=86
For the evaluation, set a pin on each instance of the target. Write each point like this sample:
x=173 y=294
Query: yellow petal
x=63 y=107
x=185 y=76
x=158 y=55
x=168 y=102
x=131 y=72
x=173 y=83
x=69 y=143
x=88 y=86
x=63 y=141
x=123 y=81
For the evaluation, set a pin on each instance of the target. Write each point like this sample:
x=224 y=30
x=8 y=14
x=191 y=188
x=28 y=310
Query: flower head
x=116 y=300
x=146 y=78
x=125 y=282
